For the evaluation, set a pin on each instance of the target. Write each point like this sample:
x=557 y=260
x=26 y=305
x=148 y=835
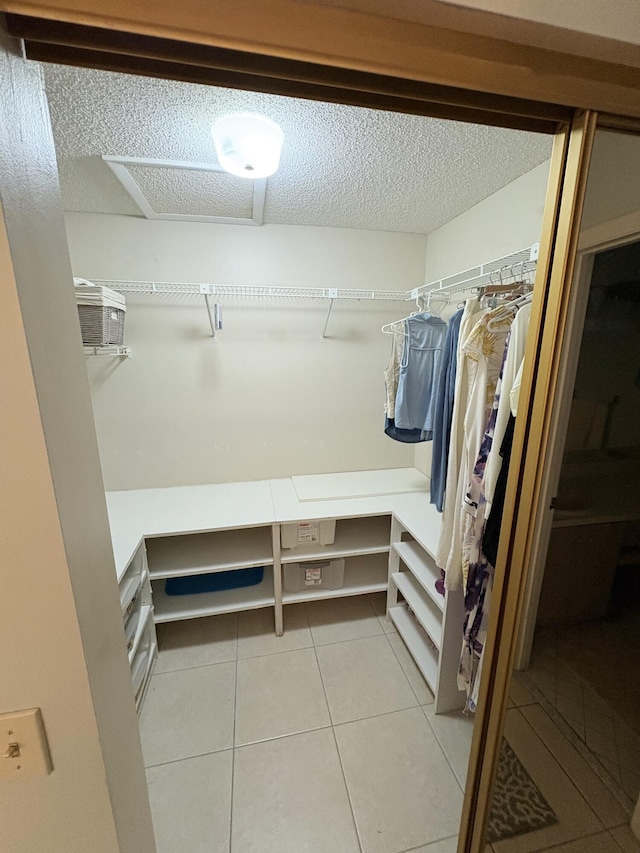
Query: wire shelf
x=251 y=292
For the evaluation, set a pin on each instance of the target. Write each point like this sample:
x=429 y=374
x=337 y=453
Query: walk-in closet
x=305 y=384
x=304 y=615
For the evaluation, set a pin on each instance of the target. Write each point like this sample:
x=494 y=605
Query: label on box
x=312 y=577
x=307 y=534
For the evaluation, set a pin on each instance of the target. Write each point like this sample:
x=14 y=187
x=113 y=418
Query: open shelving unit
x=430 y=624
x=191 y=531
x=192 y=554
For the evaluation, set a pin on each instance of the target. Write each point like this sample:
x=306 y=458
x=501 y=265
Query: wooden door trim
x=342 y=38
x=541 y=375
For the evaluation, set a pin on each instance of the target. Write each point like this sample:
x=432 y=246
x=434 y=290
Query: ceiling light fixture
x=248 y=145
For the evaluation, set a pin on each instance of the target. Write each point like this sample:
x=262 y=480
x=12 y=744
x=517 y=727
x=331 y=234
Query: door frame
x=335 y=37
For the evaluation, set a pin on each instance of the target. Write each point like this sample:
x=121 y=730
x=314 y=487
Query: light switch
x=23 y=745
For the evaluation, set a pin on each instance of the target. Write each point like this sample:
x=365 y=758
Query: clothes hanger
x=512 y=304
x=392 y=328
x=430 y=308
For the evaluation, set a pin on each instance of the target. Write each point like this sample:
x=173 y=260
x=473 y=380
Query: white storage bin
x=308 y=533
x=314 y=574
x=131 y=582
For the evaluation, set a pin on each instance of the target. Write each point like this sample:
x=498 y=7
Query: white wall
x=267 y=400
x=506 y=221
x=60 y=622
x=613 y=189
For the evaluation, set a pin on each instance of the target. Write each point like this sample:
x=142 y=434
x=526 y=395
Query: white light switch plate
x=24 y=750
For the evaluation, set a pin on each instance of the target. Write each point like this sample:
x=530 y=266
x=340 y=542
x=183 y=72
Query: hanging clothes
x=444 y=399
x=391 y=379
x=480 y=584
x=491 y=537
x=450 y=513
x=474 y=503
x=477 y=571
x=514 y=396
x=512 y=367
x=392 y=372
x=482 y=351
x=414 y=409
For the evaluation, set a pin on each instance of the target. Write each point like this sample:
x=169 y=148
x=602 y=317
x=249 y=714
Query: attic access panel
x=150 y=183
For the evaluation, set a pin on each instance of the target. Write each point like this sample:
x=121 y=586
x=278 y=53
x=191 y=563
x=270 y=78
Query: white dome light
x=248 y=145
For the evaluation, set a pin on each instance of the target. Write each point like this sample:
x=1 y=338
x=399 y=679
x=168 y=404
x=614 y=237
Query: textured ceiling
x=194 y=191
x=341 y=166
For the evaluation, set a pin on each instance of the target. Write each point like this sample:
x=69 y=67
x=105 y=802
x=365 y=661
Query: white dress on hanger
x=512 y=367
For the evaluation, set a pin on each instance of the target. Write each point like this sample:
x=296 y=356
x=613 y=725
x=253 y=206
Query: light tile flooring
x=567 y=663
x=324 y=741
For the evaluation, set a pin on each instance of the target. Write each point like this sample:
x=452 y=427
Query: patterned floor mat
x=518 y=806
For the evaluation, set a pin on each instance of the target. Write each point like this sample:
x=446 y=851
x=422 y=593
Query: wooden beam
x=332 y=36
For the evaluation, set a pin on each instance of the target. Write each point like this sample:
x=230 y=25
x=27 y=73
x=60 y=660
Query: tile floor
x=566 y=664
x=324 y=741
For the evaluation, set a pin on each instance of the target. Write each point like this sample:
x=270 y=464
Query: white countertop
x=136 y=514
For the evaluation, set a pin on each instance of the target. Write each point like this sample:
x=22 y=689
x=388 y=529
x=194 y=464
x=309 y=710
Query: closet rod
x=206 y=289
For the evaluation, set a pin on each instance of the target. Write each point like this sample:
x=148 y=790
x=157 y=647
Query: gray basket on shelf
x=101 y=325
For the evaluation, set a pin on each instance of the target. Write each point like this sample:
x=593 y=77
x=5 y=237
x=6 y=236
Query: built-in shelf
x=416 y=640
x=109 y=349
x=422 y=567
x=363 y=574
x=143 y=620
x=205 y=553
x=430 y=624
x=354 y=536
x=170 y=608
x=423 y=607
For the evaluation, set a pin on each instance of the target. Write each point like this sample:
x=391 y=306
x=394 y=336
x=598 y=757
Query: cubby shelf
x=354 y=536
x=423 y=568
x=171 y=608
x=205 y=553
x=363 y=574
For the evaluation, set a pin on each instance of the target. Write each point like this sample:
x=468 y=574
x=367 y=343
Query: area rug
x=518 y=806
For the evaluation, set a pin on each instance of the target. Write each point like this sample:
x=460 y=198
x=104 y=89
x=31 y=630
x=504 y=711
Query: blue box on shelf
x=214 y=582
